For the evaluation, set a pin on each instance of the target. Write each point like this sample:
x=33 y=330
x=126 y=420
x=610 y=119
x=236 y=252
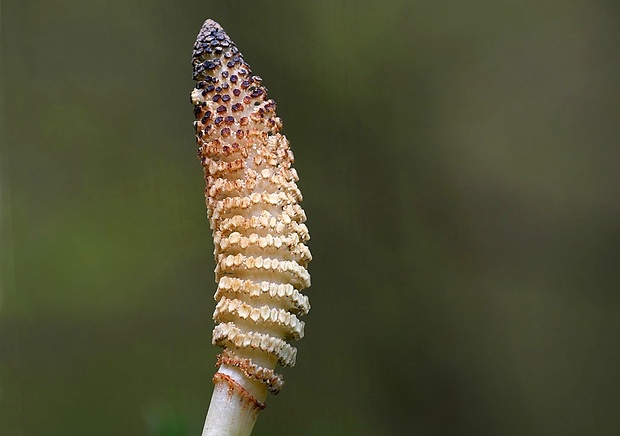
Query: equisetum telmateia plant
x=258 y=231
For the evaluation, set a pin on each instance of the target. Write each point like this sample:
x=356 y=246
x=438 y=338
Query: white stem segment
x=233 y=409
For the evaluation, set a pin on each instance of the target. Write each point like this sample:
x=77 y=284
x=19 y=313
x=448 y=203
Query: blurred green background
x=459 y=162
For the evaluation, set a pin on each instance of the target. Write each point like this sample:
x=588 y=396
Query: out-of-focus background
x=459 y=162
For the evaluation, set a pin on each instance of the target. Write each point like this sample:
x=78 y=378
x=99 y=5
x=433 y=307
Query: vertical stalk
x=258 y=232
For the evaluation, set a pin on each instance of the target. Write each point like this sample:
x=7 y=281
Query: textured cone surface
x=253 y=207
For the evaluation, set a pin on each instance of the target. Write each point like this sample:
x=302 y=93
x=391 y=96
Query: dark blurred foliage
x=459 y=162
